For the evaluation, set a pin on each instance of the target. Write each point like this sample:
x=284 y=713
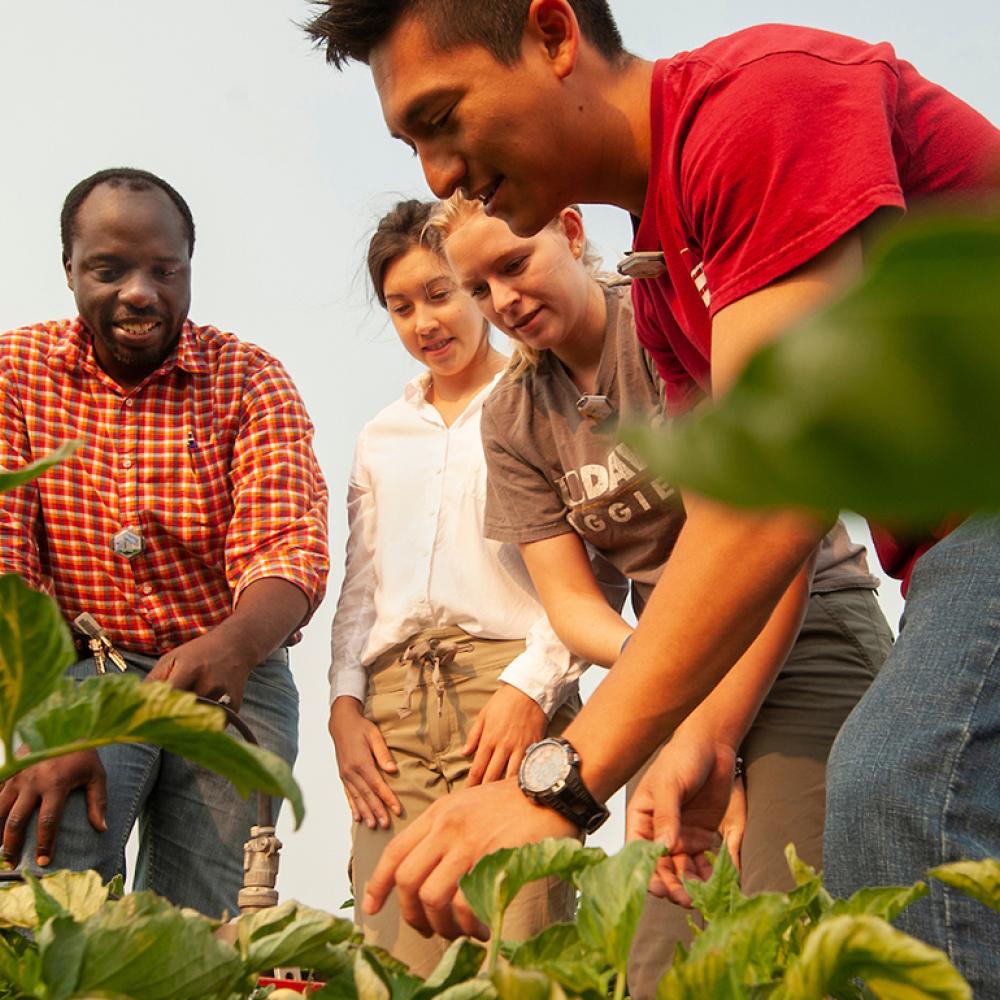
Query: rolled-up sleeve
x=546 y=671
x=20 y=517
x=280 y=501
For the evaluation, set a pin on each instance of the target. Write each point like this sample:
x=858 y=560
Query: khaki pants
x=427 y=749
x=841 y=646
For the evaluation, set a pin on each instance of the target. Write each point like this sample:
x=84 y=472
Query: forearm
x=590 y=628
x=574 y=603
x=726 y=715
x=267 y=613
x=727 y=572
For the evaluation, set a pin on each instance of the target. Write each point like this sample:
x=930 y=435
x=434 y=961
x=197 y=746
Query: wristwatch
x=550 y=775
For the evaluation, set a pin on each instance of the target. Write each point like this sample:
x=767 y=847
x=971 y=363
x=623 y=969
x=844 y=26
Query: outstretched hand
x=507 y=724
x=425 y=861
x=687 y=801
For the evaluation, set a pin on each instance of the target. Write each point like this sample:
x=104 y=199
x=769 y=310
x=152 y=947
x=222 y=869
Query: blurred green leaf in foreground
x=884 y=403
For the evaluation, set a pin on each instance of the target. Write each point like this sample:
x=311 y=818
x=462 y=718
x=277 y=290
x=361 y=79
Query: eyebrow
x=110 y=255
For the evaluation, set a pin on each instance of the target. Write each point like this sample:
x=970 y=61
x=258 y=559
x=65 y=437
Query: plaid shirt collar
x=75 y=351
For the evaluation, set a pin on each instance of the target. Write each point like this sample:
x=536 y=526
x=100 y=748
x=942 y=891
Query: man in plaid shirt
x=191 y=523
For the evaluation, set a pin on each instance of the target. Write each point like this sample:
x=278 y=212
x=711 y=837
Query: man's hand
x=45 y=787
x=508 y=723
x=427 y=859
x=362 y=756
x=683 y=801
x=210 y=665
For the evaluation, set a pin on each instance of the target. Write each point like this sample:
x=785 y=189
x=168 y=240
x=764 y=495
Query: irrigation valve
x=260 y=870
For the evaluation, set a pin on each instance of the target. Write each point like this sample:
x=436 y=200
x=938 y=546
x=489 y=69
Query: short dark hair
x=350 y=29
x=398 y=232
x=128 y=177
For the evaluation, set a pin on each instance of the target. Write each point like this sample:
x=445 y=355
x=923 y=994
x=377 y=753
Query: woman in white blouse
x=444 y=667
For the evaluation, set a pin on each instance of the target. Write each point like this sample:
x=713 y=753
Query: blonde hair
x=448 y=215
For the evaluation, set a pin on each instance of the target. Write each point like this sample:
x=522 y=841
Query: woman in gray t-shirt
x=562 y=487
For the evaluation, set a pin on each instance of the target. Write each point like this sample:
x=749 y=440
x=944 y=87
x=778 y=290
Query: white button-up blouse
x=417 y=558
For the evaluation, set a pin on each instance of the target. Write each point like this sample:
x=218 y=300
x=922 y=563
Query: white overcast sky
x=286 y=165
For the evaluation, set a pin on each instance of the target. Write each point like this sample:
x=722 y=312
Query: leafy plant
x=884 y=403
x=493 y=884
x=800 y=945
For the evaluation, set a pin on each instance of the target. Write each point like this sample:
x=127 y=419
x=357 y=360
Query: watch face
x=546 y=764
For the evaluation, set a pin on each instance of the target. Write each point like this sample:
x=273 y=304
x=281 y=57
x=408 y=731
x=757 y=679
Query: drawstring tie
x=437 y=654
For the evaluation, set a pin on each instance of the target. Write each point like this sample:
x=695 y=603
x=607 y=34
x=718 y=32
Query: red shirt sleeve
x=785 y=155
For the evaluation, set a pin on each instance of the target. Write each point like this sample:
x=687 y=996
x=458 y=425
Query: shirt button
x=147 y=589
x=126 y=463
x=129 y=402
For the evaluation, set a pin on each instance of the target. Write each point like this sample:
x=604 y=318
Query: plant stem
x=619 y=984
x=493 y=952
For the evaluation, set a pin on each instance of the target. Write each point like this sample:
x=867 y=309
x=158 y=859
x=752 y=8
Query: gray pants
x=841 y=646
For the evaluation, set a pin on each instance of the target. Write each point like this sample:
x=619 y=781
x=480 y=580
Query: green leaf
x=559 y=952
x=35 y=650
x=369 y=984
x=492 y=885
x=20 y=968
x=474 y=989
x=803 y=873
x=78 y=894
x=393 y=974
x=121 y=709
x=292 y=935
x=884 y=403
x=460 y=962
x=12 y=478
x=887 y=902
x=892 y=964
x=711 y=975
x=750 y=938
x=524 y=984
x=613 y=894
x=721 y=892
x=141 y=947
x=61 y=967
x=809 y=899
x=978 y=879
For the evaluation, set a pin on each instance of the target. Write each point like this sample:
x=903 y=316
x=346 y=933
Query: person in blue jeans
x=913 y=777
x=754 y=168
x=190 y=523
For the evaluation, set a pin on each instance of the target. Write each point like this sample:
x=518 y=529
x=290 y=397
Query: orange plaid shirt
x=210 y=457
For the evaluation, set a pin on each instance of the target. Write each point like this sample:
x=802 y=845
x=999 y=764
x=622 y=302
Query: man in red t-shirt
x=756 y=163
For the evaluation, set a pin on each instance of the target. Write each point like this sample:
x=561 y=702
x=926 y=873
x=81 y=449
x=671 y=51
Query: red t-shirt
x=767 y=146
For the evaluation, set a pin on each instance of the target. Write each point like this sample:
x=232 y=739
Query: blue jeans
x=192 y=822
x=913 y=780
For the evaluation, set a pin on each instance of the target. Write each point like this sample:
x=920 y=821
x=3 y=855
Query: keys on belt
x=99 y=642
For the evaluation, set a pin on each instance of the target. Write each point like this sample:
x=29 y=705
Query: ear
x=553 y=25
x=68 y=271
x=571 y=223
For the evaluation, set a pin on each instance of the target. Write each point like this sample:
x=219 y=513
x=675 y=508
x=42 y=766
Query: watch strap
x=576 y=803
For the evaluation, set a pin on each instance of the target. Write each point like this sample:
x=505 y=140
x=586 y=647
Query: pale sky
x=287 y=165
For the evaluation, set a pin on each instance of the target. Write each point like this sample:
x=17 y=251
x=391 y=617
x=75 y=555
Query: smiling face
x=480 y=125
x=436 y=321
x=130 y=272
x=537 y=289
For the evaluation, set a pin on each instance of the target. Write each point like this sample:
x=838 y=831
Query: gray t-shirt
x=553 y=469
